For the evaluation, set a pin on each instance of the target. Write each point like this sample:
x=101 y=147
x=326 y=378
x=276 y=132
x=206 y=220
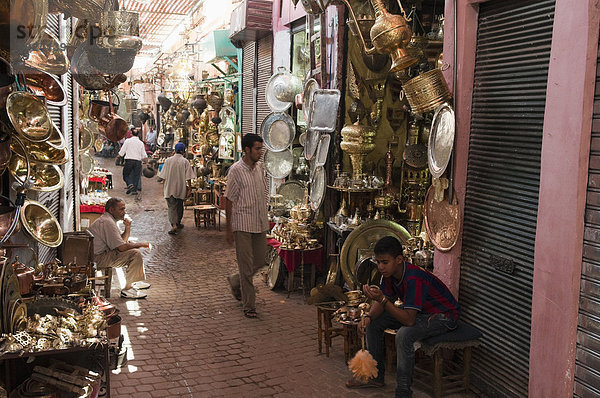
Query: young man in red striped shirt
x=409 y=299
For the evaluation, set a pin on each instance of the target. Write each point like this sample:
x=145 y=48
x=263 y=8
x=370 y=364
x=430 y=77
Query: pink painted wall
x=563 y=182
x=447 y=265
x=289 y=12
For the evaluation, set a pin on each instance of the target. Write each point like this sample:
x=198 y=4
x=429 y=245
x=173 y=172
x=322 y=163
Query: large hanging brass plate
x=365 y=237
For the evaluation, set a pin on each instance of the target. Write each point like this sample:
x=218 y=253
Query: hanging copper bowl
x=41 y=224
x=443 y=220
x=29 y=116
x=48 y=55
x=110 y=60
x=100 y=110
x=45 y=84
x=42 y=177
x=196 y=149
x=41 y=152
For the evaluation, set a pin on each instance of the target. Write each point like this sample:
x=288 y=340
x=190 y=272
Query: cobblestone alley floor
x=189 y=338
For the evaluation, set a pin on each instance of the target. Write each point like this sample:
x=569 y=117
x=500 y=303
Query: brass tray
x=443 y=220
x=292 y=191
x=365 y=237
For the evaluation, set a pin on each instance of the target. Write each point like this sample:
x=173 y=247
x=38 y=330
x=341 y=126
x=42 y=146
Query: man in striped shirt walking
x=247 y=222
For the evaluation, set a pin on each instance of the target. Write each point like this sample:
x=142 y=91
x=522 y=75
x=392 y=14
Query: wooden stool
x=205 y=214
x=106 y=278
x=351 y=340
x=325 y=327
x=464 y=338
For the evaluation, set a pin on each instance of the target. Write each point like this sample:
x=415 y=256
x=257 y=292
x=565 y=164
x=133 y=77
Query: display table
x=293 y=258
x=16 y=364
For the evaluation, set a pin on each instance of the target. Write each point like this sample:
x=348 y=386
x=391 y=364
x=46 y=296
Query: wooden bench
x=442 y=379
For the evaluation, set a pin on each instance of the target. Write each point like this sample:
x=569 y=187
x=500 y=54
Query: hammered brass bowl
x=29 y=116
x=42 y=177
x=41 y=152
x=41 y=224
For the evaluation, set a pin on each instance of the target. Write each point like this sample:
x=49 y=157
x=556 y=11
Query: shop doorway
x=509 y=96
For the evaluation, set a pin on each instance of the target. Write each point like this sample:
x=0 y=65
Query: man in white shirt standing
x=134 y=151
x=176 y=173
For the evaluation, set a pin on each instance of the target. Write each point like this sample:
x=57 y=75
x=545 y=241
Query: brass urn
x=357 y=142
x=390 y=34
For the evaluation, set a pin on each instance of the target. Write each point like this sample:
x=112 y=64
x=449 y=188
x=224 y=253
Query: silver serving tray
x=441 y=140
x=317 y=188
x=281 y=90
x=323 y=111
x=311 y=143
x=310 y=86
x=278 y=131
x=279 y=164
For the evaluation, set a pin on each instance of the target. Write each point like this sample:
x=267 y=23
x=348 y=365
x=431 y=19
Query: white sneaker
x=140 y=285
x=132 y=294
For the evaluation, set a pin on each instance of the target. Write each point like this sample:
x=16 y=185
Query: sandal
x=250 y=314
x=372 y=383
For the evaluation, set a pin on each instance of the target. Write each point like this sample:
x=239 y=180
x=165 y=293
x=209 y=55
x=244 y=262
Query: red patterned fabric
x=91 y=208
x=98 y=179
x=293 y=258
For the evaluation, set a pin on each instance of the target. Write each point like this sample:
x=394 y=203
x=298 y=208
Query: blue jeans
x=426 y=325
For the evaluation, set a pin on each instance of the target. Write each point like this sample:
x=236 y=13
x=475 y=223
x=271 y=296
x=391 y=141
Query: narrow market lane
x=189 y=338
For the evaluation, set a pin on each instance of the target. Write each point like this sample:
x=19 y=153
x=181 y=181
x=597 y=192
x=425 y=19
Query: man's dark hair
x=248 y=140
x=388 y=245
x=135 y=132
x=112 y=202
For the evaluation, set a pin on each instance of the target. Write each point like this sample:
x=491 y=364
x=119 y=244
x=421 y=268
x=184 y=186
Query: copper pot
x=7 y=215
x=111 y=125
x=100 y=110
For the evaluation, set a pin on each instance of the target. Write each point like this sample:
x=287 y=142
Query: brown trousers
x=250 y=251
x=130 y=259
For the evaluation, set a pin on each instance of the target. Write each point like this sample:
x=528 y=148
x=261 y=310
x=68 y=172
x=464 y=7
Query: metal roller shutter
x=265 y=49
x=509 y=96
x=248 y=86
x=587 y=362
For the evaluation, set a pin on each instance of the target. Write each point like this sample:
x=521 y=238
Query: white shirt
x=176 y=171
x=133 y=149
x=247 y=190
x=107 y=235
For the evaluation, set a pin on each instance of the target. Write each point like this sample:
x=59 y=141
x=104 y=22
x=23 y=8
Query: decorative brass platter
x=442 y=220
x=292 y=191
x=365 y=237
x=441 y=140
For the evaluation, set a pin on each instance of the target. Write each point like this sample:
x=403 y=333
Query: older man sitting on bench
x=113 y=249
